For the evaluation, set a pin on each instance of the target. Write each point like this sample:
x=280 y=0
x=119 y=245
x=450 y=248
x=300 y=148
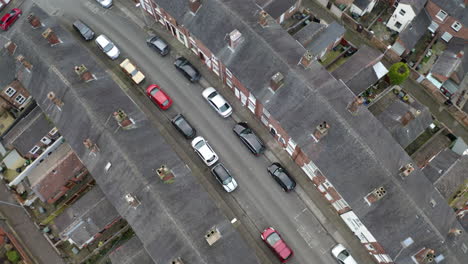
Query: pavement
x=328 y=219
x=34 y=242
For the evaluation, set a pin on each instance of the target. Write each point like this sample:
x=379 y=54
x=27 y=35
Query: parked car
x=224 y=177
x=217 y=102
x=158 y=44
x=183 y=126
x=277 y=244
x=342 y=255
x=159 y=96
x=187 y=69
x=249 y=138
x=105 y=3
x=281 y=176
x=9 y=18
x=132 y=71
x=83 y=29
x=107 y=47
x=206 y=153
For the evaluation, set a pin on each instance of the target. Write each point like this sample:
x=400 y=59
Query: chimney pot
x=194 y=5
x=460 y=54
x=321 y=130
x=51 y=96
x=235 y=38
x=306 y=59
x=83 y=72
x=263 y=18
x=50 y=35
x=123 y=120
x=11 y=47
x=276 y=81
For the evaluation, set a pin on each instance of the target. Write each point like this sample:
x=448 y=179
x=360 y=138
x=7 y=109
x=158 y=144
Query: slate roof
x=179 y=227
x=415 y=30
x=365 y=78
x=54 y=172
x=364 y=58
x=362 y=4
x=455 y=8
x=357 y=155
x=309 y=32
x=325 y=38
x=417 y=5
x=405 y=134
x=131 y=252
x=275 y=8
x=89 y=215
x=28 y=131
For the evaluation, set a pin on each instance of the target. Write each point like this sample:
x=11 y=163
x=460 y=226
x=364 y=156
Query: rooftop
x=325 y=38
x=455 y=8
x=275 y=8
x=310 y=96
x=415 y=30
x=179 y=227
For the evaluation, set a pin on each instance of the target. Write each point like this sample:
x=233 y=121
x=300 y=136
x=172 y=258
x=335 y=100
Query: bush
x=13 y=256
x=398 y=73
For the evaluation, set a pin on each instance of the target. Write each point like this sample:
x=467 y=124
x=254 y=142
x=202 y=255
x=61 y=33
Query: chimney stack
x=212 y=236
x=11 y=47
x=50 y=35
x=306 y=59
x=276 y=81
x=123 y=120
x=90 y=145
x=263 y=18
x=34 y=21
x=455 y=231
x=235 y=38
x=321 y=130
x=424 y=256
x=177 y=261
x=354 y=106
x=51 y=96
x=25 y=63
x=194 y=5
x=406 y=170
x=132 y=200
x=165 y=174
x=406 y=118
x=84 y=74
x=460 y=54
x=375 y=195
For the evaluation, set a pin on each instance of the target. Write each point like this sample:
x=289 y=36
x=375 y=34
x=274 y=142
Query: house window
x=402 y=12
x=442 y=15
x=20 y=99
x=228 y=73
x=398 y=25
x=456 y=26
x=34 y=149
x=229 y=83
x=10 y=91
x=53 y=131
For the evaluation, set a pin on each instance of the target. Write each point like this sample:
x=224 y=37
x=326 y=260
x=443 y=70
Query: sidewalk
x=322 y=209
x=35 y=244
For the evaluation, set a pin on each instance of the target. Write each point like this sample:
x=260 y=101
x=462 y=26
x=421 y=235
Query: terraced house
x=349 y=156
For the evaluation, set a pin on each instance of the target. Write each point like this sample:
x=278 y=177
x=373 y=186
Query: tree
x=398 y=73
x=13 y=256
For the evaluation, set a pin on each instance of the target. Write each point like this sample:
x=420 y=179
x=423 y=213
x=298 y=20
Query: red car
x=159 y=96
x=9 y=18
x=277 y=244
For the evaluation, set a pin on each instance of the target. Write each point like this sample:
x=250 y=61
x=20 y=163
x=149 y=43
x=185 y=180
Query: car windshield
x=273 y=239
x=343 y=255
x=154 y=91
x=211 y=95
x=200 y=144
x=165 y=103
x=134 y=72
x=246 y=131
x=108 y=47
x=189 y=70
x=224 y=107
x=159 y=44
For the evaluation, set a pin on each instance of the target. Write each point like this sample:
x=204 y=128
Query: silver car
x=217 y=101
x=105 y=3
x=206 y=153
x=107 y=47
x=223 y=176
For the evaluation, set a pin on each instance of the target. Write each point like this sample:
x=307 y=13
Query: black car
x=184 y=127
x=187 y=69
x=280 y=175
x=83 y=29
x=158 y=44
x=249 y=138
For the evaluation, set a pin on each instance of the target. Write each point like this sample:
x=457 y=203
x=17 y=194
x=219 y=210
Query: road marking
x=95 y=9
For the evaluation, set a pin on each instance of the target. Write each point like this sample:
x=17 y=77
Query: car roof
x=184 y=125
x=221 y=172
x=218 y=100
x=103 y=40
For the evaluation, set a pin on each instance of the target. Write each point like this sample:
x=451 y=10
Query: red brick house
x=451 y=16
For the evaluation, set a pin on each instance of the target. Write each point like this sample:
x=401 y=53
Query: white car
x=217 y=102
x=342 y=255
x=107 y=47
x=206 y=153
x=105 y=3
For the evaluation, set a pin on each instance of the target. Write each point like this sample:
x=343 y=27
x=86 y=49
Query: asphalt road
x=258 y=195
